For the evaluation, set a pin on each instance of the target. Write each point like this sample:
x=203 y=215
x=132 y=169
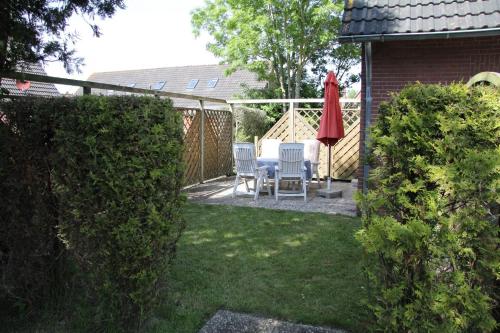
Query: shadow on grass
x=300 y=267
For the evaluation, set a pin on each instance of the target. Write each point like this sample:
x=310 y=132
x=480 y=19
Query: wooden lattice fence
x=301 y=124
x=207 y=147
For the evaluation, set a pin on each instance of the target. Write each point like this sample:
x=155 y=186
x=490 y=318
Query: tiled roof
x=177 y=79
x=371 y=19
x=36 y=88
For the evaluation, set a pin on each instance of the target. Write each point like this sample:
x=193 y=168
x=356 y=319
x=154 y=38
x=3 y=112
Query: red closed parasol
x=331 y=126
x=23 y=85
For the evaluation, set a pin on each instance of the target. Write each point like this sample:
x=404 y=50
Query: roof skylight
x=158 y=85
x=192 y=84
x=212 y=83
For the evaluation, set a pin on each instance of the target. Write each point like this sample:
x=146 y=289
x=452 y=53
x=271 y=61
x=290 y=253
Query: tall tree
x=36 y=30
x=342 y=58
x=275 y=38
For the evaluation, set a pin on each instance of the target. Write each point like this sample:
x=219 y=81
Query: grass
x=300 y=267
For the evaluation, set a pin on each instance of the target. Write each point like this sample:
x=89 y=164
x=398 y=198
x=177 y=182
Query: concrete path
x=220 y=192
x=232 y=322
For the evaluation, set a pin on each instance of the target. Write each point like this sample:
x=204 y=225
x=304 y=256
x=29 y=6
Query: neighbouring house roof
x=370 y=20
x=211 y=81
x=36 y=88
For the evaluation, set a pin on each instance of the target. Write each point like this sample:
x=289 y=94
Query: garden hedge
x=31 y=254
x=430 y=227
x=107 y=174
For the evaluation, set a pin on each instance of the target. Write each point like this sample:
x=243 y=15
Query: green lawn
x=300 y=267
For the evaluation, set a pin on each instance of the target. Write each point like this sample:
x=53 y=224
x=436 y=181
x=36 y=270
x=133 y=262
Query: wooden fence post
x=233 y=132
x=291 y=116
x=202 y=142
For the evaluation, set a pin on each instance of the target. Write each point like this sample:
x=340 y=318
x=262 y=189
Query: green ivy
x=431 y=214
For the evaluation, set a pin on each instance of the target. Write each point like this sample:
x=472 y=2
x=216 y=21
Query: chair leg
x=236 y=183
x=276 y=187
x=305 y=191
x=257 y=184
x=268 y=186
x=304 y=188
x=246 y=184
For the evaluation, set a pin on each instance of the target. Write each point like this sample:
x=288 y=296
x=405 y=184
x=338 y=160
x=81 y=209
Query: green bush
x=102 y=177
x=431 y=214
x=119 y=184
x=31 y=255
x=250 y=123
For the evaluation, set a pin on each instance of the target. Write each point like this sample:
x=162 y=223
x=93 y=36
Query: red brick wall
x=397 y=63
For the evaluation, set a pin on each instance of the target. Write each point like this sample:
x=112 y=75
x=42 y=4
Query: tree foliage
x=431 y=224
x=343 y=57
x=36 y=30
x=275 y=38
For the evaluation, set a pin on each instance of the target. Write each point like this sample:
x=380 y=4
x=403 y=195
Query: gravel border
x=219 y=192
x=232 y=322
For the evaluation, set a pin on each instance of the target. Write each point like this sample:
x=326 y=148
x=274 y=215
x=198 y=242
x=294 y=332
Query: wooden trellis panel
x=192 y=149
x=345 y=154
x=217 y=144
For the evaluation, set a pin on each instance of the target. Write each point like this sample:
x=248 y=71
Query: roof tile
x=36 y=88
x=381 y=17
x=177 y=79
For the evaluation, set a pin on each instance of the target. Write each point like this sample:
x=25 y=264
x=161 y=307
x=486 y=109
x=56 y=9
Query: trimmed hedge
x=31 y=255
x=114 y=165
x=431 y=225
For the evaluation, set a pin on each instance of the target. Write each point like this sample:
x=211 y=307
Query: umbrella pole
x=329 y=181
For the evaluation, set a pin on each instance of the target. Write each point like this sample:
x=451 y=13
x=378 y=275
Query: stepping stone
x=231 y=322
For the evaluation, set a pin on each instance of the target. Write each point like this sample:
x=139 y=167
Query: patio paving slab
x=220 y=191
x=231 y=322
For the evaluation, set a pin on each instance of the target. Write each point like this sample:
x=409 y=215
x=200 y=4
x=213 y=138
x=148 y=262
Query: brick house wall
x=397 y=63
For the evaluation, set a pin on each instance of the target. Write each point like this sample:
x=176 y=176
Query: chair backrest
x=311 y=150
x=291 y=160
x=244 y=158
x=270 y=148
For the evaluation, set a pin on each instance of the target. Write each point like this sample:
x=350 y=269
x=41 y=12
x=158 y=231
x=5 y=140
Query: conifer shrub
x=96 y=180
x=119 y=179
x=430 y=225
x=31 y=254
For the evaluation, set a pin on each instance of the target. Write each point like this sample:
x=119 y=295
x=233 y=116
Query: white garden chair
x=270 y=148
x=246 y=168
x=311 y=153
x=291 y=168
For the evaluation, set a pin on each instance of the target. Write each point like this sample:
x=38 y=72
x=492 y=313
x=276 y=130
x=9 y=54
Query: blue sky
x=146 y=34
